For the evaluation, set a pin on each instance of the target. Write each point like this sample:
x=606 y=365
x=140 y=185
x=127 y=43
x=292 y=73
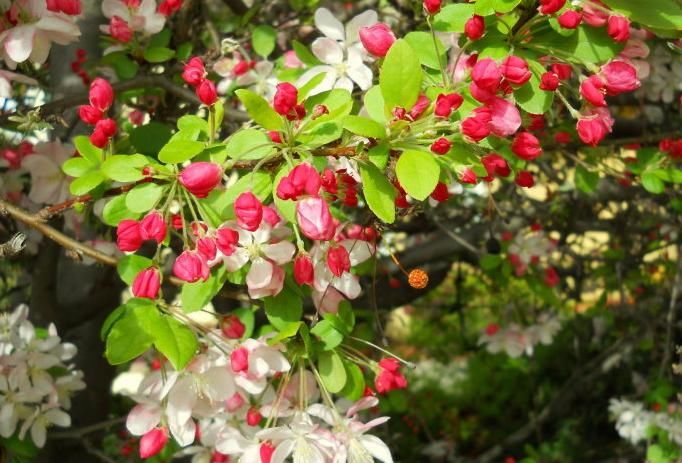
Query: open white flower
x=340 y=52
x=299 y=439
x=49 y=185
x=32 y=38
x=143 y=18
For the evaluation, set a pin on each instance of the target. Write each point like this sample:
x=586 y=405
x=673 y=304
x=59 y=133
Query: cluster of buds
x=285 y=102
x=76 y=66
x=101 y=97
x=194 y=73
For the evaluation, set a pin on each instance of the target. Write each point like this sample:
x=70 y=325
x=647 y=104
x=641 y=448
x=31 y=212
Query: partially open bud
x=153 y=442
x=147 y=283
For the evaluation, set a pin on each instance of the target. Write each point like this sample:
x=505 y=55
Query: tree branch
x=237 y=6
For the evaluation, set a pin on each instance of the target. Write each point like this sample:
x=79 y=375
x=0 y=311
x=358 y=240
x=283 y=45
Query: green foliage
x=378 y=191
x=401 y=76
x=418 y=173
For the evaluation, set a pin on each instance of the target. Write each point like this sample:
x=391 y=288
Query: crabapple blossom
x=140 y=16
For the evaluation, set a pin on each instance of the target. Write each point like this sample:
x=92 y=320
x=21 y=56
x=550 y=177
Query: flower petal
x=365 y=19
x=327 y=50
x=328 y=24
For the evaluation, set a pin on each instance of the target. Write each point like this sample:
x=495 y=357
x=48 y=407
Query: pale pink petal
x=19 y=42
x=328 y=24
x=143 y=418
x=281 y=252
x=327 y=50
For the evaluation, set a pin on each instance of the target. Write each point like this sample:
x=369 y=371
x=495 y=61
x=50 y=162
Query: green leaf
x=177 y=151
x=87 y=150
x=588 y=45
x=77 y=167
x=284 y=308
x=418 y=173
x=150 y=138
x=174 y=340
x=129 y=336
x=144 y=197
x=190 y=122
x=195 y=296
x=321 y=134
x=120 y=311
x=585 y=180
x=116 y=210
x=489 y=261
x=86 y=183
x=652 y=183
x=329 y=336
x=304 y=54
x=124 y=67
x=505 y=6
x=259 y=110
x=263 y=39
x=355 y=384
x=249 y=144
x=310 y=85
x=453 y=17
x=422 y=44
x=364 y=127
x=374 y=104
x=158 y=54
x=530 y=97
x=130 y=265
x=378 y=155
x=378 y=192
x=124 y=167
x=332 y=371
x=401 y=76
x=484 y=7
x=288 y=330
x=184 y=51
x=665 y=14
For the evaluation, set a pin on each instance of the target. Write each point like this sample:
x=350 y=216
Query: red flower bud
x=206 y=92
x=285 y=98
x=441 y=146
x=89 y=114
x=101 y=94
x=239 y=359
x=207 y=247
x=468 y=176
x=128 y=235
x=476 y=127
x=524 y=179
x=432 y=6
x=303 y=270
x=190 y=266
x=474 y=28
x=570 y=19
x=147 y=283
x=377 y=39
x=338 y=260
x=107 y=127
x=549 y=81
x=618 y=28
x=253 y=417
x=487 y=75
x=445 y=104
x=593 y=90
x=194 y=71
x=232 y=327
x=200 y=178
x=249 y=211
x=551 y=6
x=440 y=193
x=153 y=442
x=526 y=146
x=153 y=227
x=120 y=30
x=226 y=240
x=495 y=165
x=515 y=70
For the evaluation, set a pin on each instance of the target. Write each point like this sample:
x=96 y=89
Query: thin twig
x=78 y=433
x=670 y=319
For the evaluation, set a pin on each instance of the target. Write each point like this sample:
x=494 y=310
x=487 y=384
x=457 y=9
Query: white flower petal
x=376 y=447
x=327 y=50
x=328 y=24
x=365 y=19
x=143 y=418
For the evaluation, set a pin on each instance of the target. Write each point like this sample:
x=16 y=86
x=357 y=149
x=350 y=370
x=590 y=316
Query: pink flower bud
x=107 y=127
x=338 y=260
x=128 y=235
x=232 y=327
x=476 y=127
x=593 y=129
x=620 y=77
x=285 y=98
x=239 y=359
x=249 y=211
x=549 y=81
x=226 y=240
x=207 y=92
x=190 y=266
x=235 y=402
x=440 y=193
x=551 y=6
x=593 y=90
x=562 y=70
x=432 y=6
x=194 y=71
x=377 y=39
x=441 y=146
x=275 y=136
x=89 y=115
x=101 y=94
x=266 y=451
x=487 y=75
x=505 y=118
x=446 y=103
x=305 y=180
x=136 y=117
x=153 y=442
x=468 y=176
x=474 y=28
x=147 y=283
x=419 y=107
x=551 y=277
x=120 y=30
x=618 y=28
x=271 y=216
x=515 y=70
x=99 y=139
x=253 y=417
x=200 y=178
x=495 y=165
x=526 y=146
x=69 y=7
x=524 y=179
x=153 y=227
x=206 y=246
x=303 y=270
x=314 y=218
x=570 y=19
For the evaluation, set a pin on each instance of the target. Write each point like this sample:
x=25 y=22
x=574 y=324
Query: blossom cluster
x=36 y=379
x=515 y=340
x=634 y=421
x=243 y=399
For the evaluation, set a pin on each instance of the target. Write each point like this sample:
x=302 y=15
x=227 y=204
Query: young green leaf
x=378 y=192
x=401 y=76
x=418 y=173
